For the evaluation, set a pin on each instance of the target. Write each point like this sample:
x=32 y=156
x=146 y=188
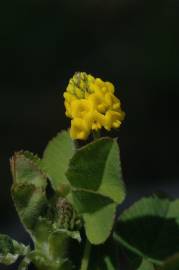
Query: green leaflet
x=150 y=229
x=56 y=159
x=30 y=204
x=97 y=187
x=28 y=189
x=10 y=250
x=96 y=167
x=98 y=213
x=26 y=169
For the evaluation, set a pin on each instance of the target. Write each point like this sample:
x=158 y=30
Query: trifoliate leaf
x=96 y=184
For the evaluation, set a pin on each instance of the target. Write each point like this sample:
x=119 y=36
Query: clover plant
x=67 y=199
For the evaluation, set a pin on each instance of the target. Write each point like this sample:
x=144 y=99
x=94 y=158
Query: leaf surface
x=96 y=210
x=97 y=187
x=150 y=229
x=56 y=159
x=96 y=167
x=28 y=189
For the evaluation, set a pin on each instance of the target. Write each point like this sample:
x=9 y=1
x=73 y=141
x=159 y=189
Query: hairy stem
x=86 y=256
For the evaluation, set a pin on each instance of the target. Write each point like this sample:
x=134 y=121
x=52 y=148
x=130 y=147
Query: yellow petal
x=80 y=107
x=113 y=120
x=97 y=99
x=79 y=129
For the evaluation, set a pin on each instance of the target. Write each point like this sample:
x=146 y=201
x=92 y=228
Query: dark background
x=132 y=43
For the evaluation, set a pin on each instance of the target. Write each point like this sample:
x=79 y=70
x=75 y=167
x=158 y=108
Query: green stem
x=86 y=256
x=119 y=240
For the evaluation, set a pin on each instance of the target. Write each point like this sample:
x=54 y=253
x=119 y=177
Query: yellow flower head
x=91 y=104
